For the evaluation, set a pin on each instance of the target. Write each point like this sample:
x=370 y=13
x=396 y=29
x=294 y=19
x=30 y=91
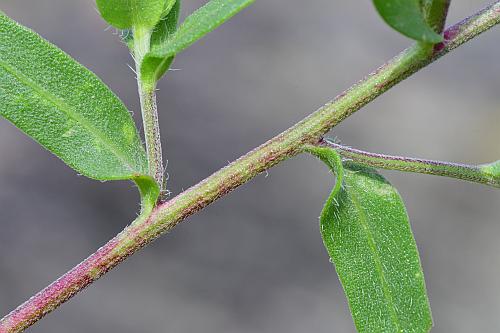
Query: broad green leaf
x=67 y=109
x=407 y=17
x=126 y=14
x=197 y=25
x=366 y=231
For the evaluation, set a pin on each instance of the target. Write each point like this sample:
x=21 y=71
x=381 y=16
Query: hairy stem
x=288 y=144
x=149 y=110
x=472 y=173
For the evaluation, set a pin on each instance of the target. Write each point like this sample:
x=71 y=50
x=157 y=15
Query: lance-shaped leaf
x=407 y=17
x=162 y=31
x=367 y=234
x=169 y=4
x=197 y=25
x=125 y=14
x=492 y=170
x=67 y=109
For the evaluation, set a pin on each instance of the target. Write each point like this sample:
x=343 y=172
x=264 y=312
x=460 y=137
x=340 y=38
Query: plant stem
x=149 y=110
x=472 y=173
x=288 y=144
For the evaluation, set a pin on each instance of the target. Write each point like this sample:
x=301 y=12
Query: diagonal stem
x=286 y=145
x=474 y=173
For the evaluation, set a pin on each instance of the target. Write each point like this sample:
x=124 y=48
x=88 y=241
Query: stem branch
x=472 y=173
x=288 y=144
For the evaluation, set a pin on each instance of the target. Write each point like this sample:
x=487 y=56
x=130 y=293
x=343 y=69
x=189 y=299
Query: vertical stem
x=149 y=110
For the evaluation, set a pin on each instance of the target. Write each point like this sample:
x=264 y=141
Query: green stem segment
x=286 y=145
x=483 y=174
x=147 y=94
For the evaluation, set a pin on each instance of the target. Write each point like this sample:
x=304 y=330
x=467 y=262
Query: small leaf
x=167 y=26
x=407 y=17
x=67 y=109
x=197 y=25
x=126 y=14
x=154 y=68
x=169 y=4
x=150 y=192
x=366 y=231
x=492 y=170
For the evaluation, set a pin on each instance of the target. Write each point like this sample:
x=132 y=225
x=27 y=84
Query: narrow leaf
x=66 y=108
x=334 y=161
x=153 y=68
x=492 y=170
x=407 y=17
x=169 y=4
x=125 y=14
x=196 y=26
x=366 y=231
x=167 y=26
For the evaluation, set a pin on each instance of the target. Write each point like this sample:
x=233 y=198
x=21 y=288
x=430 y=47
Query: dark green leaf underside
x=65 y=107
x=366 y=231
x=407 y=17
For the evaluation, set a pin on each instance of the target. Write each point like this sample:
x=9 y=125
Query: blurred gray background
x=254 y=261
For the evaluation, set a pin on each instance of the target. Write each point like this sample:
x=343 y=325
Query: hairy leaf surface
x=66 y=108
x=366 y=231
x=407 y=17
x=153 y=68
x=125 y=14
x=197 y=25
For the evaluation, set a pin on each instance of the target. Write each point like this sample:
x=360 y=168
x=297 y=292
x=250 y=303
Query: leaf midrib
x=378 y=261
x=64 y=107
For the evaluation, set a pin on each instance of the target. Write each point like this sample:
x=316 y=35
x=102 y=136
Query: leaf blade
x=367 y=234
x=131 y=13
x=65 y=107
x=153 y=68
x=406 y=16
x=197 y=25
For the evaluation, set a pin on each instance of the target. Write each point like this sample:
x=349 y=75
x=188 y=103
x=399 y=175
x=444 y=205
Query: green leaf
x=334 y=161
x=67 y=109
x=492 y=170
x=166 y=27
x=126 y=14
x=169 y=4
x=156 y=67
x=366 y=231
x=197 y=25
x=407 y=17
